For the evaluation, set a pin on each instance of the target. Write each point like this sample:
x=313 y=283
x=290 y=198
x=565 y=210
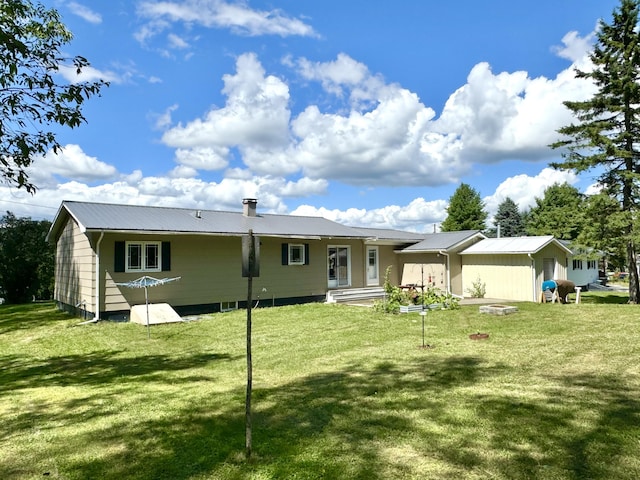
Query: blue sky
x=366 y=113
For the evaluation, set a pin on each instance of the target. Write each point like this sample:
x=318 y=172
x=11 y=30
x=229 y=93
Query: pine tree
x=509 y=219
x=465 y=211
x=608 y=124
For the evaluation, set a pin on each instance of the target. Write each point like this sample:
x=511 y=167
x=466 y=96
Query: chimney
x=249 y=207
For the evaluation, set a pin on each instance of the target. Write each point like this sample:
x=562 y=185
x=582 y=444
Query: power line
x=29 y=204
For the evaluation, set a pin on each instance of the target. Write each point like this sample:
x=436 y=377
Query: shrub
x=478 y=289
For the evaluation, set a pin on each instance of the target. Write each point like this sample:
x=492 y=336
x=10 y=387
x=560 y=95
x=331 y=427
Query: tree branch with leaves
x=32 y=97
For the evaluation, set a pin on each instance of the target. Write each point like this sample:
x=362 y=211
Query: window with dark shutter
x=166 y=256
x=119 y=257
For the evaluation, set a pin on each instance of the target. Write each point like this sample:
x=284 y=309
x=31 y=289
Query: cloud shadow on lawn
x=345 y=424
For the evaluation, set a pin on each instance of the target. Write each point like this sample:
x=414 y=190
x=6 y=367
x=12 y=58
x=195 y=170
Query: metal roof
x=147 y=219
x=442 y=241
x=512 y=245
x=390 y=235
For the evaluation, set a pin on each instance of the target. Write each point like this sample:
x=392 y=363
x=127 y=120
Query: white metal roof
x=512 y=245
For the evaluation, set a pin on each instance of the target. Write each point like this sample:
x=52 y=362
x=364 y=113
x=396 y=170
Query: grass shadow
x=95 y=369
x=29 y=316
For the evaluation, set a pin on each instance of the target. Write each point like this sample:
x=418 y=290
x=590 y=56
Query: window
x=143 y=257
x=228 y=306
x=577 y=264
x=295 y=254
x=591 y=264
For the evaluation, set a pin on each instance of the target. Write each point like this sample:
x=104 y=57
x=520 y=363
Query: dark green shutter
x=119 y=257
x=306 y=254
x=166 y=256
x=285 y=254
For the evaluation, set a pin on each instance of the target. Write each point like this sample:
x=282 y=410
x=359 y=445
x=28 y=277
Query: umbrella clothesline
x=146 y=282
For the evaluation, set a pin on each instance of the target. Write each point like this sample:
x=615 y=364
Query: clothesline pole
x=146 y=301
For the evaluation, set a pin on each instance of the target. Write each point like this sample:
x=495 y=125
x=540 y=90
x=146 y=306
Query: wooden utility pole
x=250 y=272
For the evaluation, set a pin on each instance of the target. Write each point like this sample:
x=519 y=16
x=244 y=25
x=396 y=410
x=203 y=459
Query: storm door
x=373 y=278
x=339 y=266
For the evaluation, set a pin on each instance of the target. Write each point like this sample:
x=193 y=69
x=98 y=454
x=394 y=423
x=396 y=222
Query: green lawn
x=339 y=392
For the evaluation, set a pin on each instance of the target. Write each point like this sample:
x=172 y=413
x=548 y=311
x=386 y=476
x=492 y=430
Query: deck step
x=354 y=294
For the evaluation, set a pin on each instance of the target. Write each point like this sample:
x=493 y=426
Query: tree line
x=591 y=223
x=27 y=260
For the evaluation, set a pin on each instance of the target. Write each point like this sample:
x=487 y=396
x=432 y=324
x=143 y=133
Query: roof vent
x=249 y=207
x=198 y=213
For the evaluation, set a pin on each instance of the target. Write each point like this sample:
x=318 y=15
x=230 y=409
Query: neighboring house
x=301 y=258
x=582 y=268
x=514 y=268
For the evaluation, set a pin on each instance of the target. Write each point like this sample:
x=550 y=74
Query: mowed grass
x=339 y=392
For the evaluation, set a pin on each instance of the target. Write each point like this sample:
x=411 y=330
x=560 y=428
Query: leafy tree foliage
x=606 y=133
x=465 y=211
x=604 y=229
x=510 y=219
x=559 y=213
x=26 y=259
x=31 y=99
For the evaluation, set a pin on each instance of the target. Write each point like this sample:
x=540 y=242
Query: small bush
x=478 y=289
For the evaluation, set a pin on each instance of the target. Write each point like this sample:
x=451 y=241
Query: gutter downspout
x=97 y=314
x=533 y=276
x=442 y=252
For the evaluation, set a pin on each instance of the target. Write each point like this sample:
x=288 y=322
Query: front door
x=339 y=266
x=373 y=278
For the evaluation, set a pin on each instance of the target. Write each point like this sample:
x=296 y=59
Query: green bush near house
x=339 y=392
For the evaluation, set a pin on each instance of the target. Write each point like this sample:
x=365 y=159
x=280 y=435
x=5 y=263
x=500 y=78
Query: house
x=99 y=246
x=514 y=268
x=582 y=268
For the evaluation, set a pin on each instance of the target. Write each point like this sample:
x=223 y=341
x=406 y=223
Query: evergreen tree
x=509 y=218
x=559 y=213
x=465 y=211
x=605 y=136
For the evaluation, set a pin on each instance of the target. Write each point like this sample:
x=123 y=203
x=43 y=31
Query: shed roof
x=512 y=245
x=147 y=219
x=443 y=241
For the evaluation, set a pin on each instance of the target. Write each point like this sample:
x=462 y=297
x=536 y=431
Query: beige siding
x=74 y=268
x=388 y=258
x=427 y=267
x=505 y=276
x=211 y=271
x=512 y=277
x=455 y=272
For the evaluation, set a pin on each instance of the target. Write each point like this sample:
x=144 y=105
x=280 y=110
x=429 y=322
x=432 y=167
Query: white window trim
x=302 y=251
x=143 y=267
x=228 y=306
